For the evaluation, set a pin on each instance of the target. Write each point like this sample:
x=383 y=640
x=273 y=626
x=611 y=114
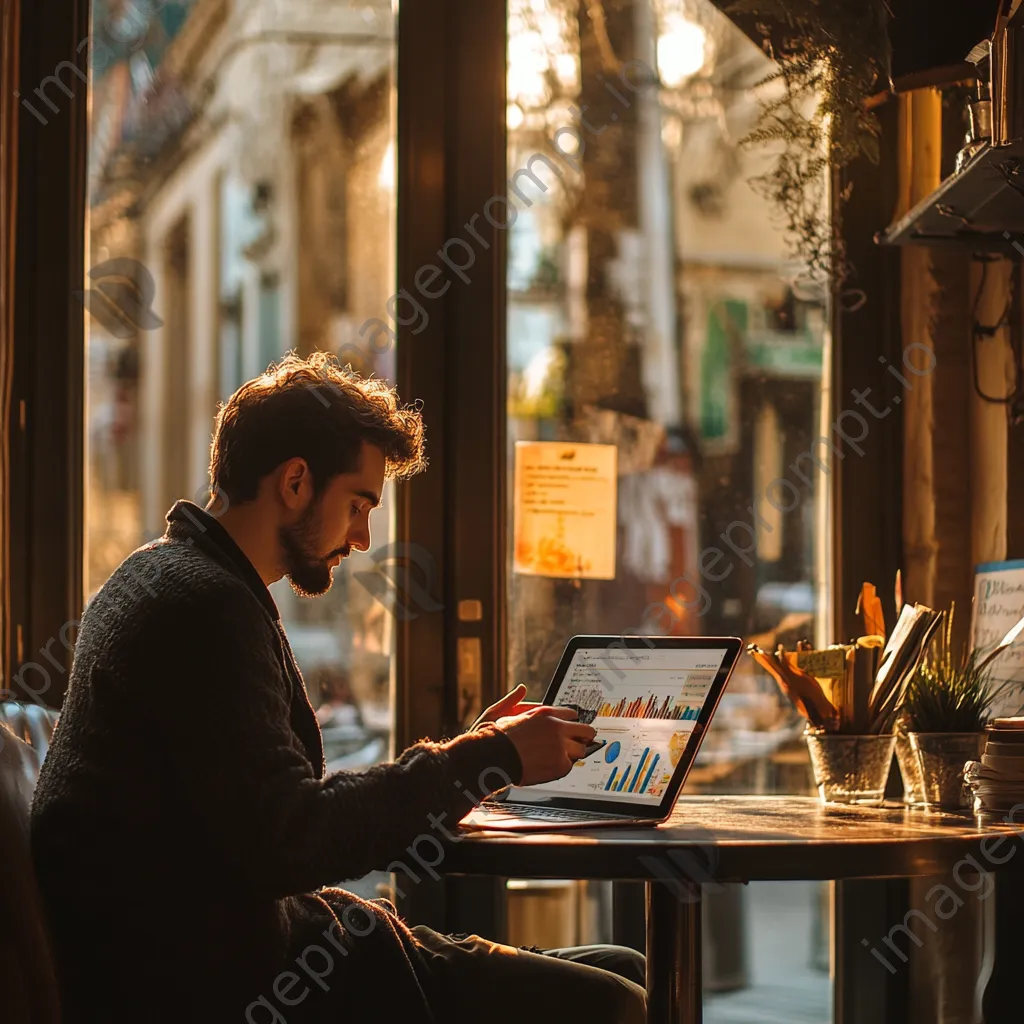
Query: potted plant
x=850 y=764
x=947 y=706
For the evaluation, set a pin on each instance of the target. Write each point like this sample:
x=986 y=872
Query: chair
x=28 y=983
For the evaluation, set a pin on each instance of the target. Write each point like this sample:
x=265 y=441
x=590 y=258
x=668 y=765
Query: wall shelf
x=981 y=206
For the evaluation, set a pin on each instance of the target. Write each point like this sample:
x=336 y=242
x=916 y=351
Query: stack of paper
x=997 y=780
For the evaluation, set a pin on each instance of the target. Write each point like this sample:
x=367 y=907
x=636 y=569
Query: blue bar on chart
x=650 y=772
x=622 y=781
x=611 y=780
x=639 y=768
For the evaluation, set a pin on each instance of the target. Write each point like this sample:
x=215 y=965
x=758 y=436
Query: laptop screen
x=644 y=703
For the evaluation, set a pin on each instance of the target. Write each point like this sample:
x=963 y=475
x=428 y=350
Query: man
x=184 y=829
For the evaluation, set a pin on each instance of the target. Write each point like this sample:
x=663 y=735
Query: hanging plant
x=833 y=55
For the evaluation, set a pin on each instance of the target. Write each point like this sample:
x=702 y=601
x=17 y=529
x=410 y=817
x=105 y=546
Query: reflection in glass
x=652 y=305
x=237 y=154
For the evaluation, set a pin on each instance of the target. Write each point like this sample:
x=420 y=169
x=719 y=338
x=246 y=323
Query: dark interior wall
x=930 y=34
x=930 y=38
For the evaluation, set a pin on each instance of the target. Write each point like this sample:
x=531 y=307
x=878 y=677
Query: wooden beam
x=920 y=174
x=990 y=283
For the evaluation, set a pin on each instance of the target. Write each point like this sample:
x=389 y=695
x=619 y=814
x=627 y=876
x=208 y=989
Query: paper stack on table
x=997 y=780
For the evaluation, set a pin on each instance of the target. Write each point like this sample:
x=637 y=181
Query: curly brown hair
x=315 y=410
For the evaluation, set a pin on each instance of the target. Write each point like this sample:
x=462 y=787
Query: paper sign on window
x=998 y=604
x=565 y=510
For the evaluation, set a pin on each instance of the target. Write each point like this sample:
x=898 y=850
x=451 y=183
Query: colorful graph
x=649 y=708
x=676 y=746
x=650 y=773
x=630 y=781
x=639 y=769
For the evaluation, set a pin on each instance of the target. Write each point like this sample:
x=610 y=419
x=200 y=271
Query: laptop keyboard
x=544 y=813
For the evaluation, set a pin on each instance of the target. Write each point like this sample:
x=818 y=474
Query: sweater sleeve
x=242 y=769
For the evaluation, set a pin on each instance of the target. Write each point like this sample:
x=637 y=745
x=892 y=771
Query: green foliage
x=832 y=55
x=948 y=693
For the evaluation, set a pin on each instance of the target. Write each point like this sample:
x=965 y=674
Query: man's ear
x=295 y=476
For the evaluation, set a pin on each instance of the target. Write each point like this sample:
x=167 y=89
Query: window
x=237 y=152
x=652 y=307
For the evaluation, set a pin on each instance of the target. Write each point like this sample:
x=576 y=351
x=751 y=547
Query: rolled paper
x=869 y=607
x=807 y=688
x=770 y=663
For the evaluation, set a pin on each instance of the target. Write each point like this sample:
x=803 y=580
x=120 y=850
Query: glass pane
x=652 y=306
x=242 y=204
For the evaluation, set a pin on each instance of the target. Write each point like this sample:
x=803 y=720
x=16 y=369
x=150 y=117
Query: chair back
x=28 y=982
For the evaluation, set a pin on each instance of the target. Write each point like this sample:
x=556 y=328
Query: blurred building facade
x=242 y=159
x=653 y=304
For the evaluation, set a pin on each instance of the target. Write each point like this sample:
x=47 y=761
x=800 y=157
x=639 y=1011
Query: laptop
x=650 y=700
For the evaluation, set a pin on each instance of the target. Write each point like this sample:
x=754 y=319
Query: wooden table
x=713 y=840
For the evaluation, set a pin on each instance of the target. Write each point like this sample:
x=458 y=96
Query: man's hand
x=510 y=705
x=549 y=741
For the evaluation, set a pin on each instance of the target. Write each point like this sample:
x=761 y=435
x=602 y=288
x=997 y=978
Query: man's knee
x=621 y=993
x=628 y=963
x=627 y=1002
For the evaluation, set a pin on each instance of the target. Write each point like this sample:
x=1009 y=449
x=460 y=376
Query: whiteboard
x=998 y=604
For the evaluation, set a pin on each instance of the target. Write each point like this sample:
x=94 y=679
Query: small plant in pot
x=945 y=711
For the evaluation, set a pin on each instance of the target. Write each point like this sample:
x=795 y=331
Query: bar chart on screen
x=645 y=706
x=637 y=761
x=638 y=781
x=652 y=707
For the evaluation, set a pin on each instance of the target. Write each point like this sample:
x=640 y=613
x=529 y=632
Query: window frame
x=46 y=427
x=451 y=148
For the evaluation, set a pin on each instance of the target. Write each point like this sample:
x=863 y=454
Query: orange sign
x=565 y=509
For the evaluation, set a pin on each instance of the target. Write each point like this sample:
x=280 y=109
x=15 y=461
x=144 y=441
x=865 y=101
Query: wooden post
x=988 y=423
x=920 y=174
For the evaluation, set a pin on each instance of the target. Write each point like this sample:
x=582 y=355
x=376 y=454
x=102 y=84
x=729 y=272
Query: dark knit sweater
x=183 y=826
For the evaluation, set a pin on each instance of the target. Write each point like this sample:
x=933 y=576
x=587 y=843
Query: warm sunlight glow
x=386 y=174
x=542 y=58
x=527 y=65
x=567 y=69
x=681 y=50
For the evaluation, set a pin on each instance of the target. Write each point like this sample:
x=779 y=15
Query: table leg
x=1002 y=996
x=674 y=984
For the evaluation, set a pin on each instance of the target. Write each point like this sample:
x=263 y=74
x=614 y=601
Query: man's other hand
x=509 y=705
x=549 y=741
